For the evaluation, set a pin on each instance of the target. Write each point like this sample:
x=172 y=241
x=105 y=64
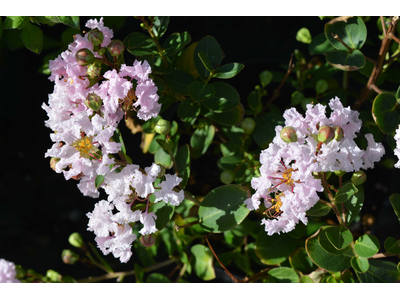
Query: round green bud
x=94 y=102
x=288 y=135
x=148 y=240
x=325 y=134
x=95 y=36
x=94 y=70
x=102 y=51
x=53 y=276
x=53 y=162
x=339 y=173
x=84 y=57
x=358 y=178
x=248 y=125
x=338 y=132
x=227 y=176
x=69 y=257
x=116 y=47
x=163 y=127
x=76 y=240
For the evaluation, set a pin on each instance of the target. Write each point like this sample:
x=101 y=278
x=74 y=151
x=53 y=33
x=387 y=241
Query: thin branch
x=395 y=38
x=375 y=88
x=186 y=225
x=336 y=37
x=383 y=26
x=392 y=59
x=381 y=255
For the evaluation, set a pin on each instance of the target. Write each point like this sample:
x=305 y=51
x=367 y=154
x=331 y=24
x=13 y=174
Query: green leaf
x=164 y=213
x=299 y=260
x=395 y=201
x=188 y=110
x=384 y=112
x=367 y=245
x=17 y=22
x=296 y=98
x=353 y=206
x=201 y=140
x=226 y=97
x=117 y=137
x=230 y=162
x=306 y=279
x=320 y=45
x=284 y=275
x=265 y=128
x=176 y=42
x=139 y=273
x=70 y=21
x=182 y=159
x=48 y=20
x=179 y=81
x=346 y=192
x=266 y=77
x=304 y=36
x=339 y=237
x=346 y=61
x=321 y=86
x=99 y=180
x=140 y=44
x=351 y=30
x=203 y=265
x=243 y=229
x=229 y=118
x=360 y=264
x=324 y=259
x=157 y=278
x=160 y=25
x=32 y=37
x=228 y=71
x=213 y=51
x=380 y=271
x=223 y=208
x=398 y=94
x=205 y=61
x=321 y=208
x=274 y=249
x=200 y=91
x=328 y=246
x=163 y=158
x=392 y=246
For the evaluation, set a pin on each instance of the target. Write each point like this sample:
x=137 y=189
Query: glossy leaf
x=304 y=36
x=296 y=98
x=395 y=202
x=321 y=208
x=200 y=91
x=346 y=61
x=299 y=260
x=265 y=128
x=320 y=45
x=226 y=97
x=17 y=22
x=203 y=265
x=244 y=228
x=164 y=213
x=157 y=278
x=228 y=71
x=186 y=62
x=179 y=81
x=32 y=37
x=99 y=180
x=201 y=140
x=366 y=245
x=206 y=62
x=274 y=249
x=229 y=118
x=384 y=112
x=321 y=86
x=346 y=192
x=140 y=44
x=306 y=279
x=188 y=110
x=284 y=275
x=182 y=159
x=381 y=271
x=328 y=246
x=339 y=237
x=354 y=205
x=176 y=42
x=351 y=30
x=223 y=208
x=392 y=246
x=360 y=264
x=70 y=21
x=160 y=25
x=163 y=158
x=212 y=49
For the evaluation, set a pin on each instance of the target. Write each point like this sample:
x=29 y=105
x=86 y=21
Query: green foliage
x=274 y=249
x=366 y=245
x=384 y=113
x=203 y=265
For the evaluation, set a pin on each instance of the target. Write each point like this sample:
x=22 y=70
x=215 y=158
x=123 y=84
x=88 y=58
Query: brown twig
x=336 y=37
x=186 y=225
x=393 y=37
x=383 y=26
x=381 y=255
x=222 y=265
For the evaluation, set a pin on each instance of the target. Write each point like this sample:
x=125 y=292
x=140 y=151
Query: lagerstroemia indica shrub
x=291 y=176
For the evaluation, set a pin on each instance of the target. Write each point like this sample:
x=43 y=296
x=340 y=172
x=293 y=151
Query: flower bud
x=358 y=178
x=84 y=57
x=69 y=257
x=116 y=47
x=93 y=70
x=163 y=127
x=76 y=240
x=248 y=125
x=148 y=240
x=325 y=134
x=93 y=101
x=340 y=173
x=102 y=51
x=95 y=36
x=288 y=134
x=338 y=132
x=53 y=276
x=227 y=176
x=53 y=162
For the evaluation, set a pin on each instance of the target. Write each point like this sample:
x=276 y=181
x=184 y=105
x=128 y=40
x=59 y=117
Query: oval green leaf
x=140 y=44
x=274 y=249
x=228 y=71
x=299 y=260
x=265 y=128
x=392 y=246
x=360 y=264
x=176 y=42
x=164 y=213
x=226 y=97
x=346 y=61
x=32 y=37
x=306 y=279
x=380 y=271
x=200 y=91
x=160 y=25
x=179 y=81
x=384 y=112
x=351 y=30
x=354 y=205
x=228 y=118
x=320 y=45
x=157 y=278
x=223 y=208
x=188 y=110
x=203 y=262
x=182 y=159
x=395 y=202
x=328 y=246
x=339 y=237
x=205 y=61
x=346 y=192
x=284 y=275
x=212 y=49
x=321 y=208
x=367 y=245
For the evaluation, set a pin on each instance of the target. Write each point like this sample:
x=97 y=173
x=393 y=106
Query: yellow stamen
x=85 y=146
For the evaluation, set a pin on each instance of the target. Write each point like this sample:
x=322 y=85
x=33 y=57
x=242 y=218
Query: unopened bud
x=148 y=240
x=288 y=134
x=248 y=125
x=227 y=176
x=93 y=101
x=84 y=57
x=358 y=178
x=53 y=276
x=325 y=134
x=163 y=127
x=69 y=257
x=116 y=47
x=340 y=173
x=94 y=70
x=76 y=240
x=53 y=162
x=102 y=51
x=338 y=132
x=95 y=36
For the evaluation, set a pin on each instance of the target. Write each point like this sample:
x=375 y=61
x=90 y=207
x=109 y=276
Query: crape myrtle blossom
x=287 y=185
x=8 y=272
x=397 y=149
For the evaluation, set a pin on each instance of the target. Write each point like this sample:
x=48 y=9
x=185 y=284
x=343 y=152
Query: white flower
x=7 y=272
x=167 y=194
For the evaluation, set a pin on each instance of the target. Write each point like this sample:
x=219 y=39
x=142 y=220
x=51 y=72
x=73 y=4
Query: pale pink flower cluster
x=287 y=185
x=397 y=149
x=7 y=272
